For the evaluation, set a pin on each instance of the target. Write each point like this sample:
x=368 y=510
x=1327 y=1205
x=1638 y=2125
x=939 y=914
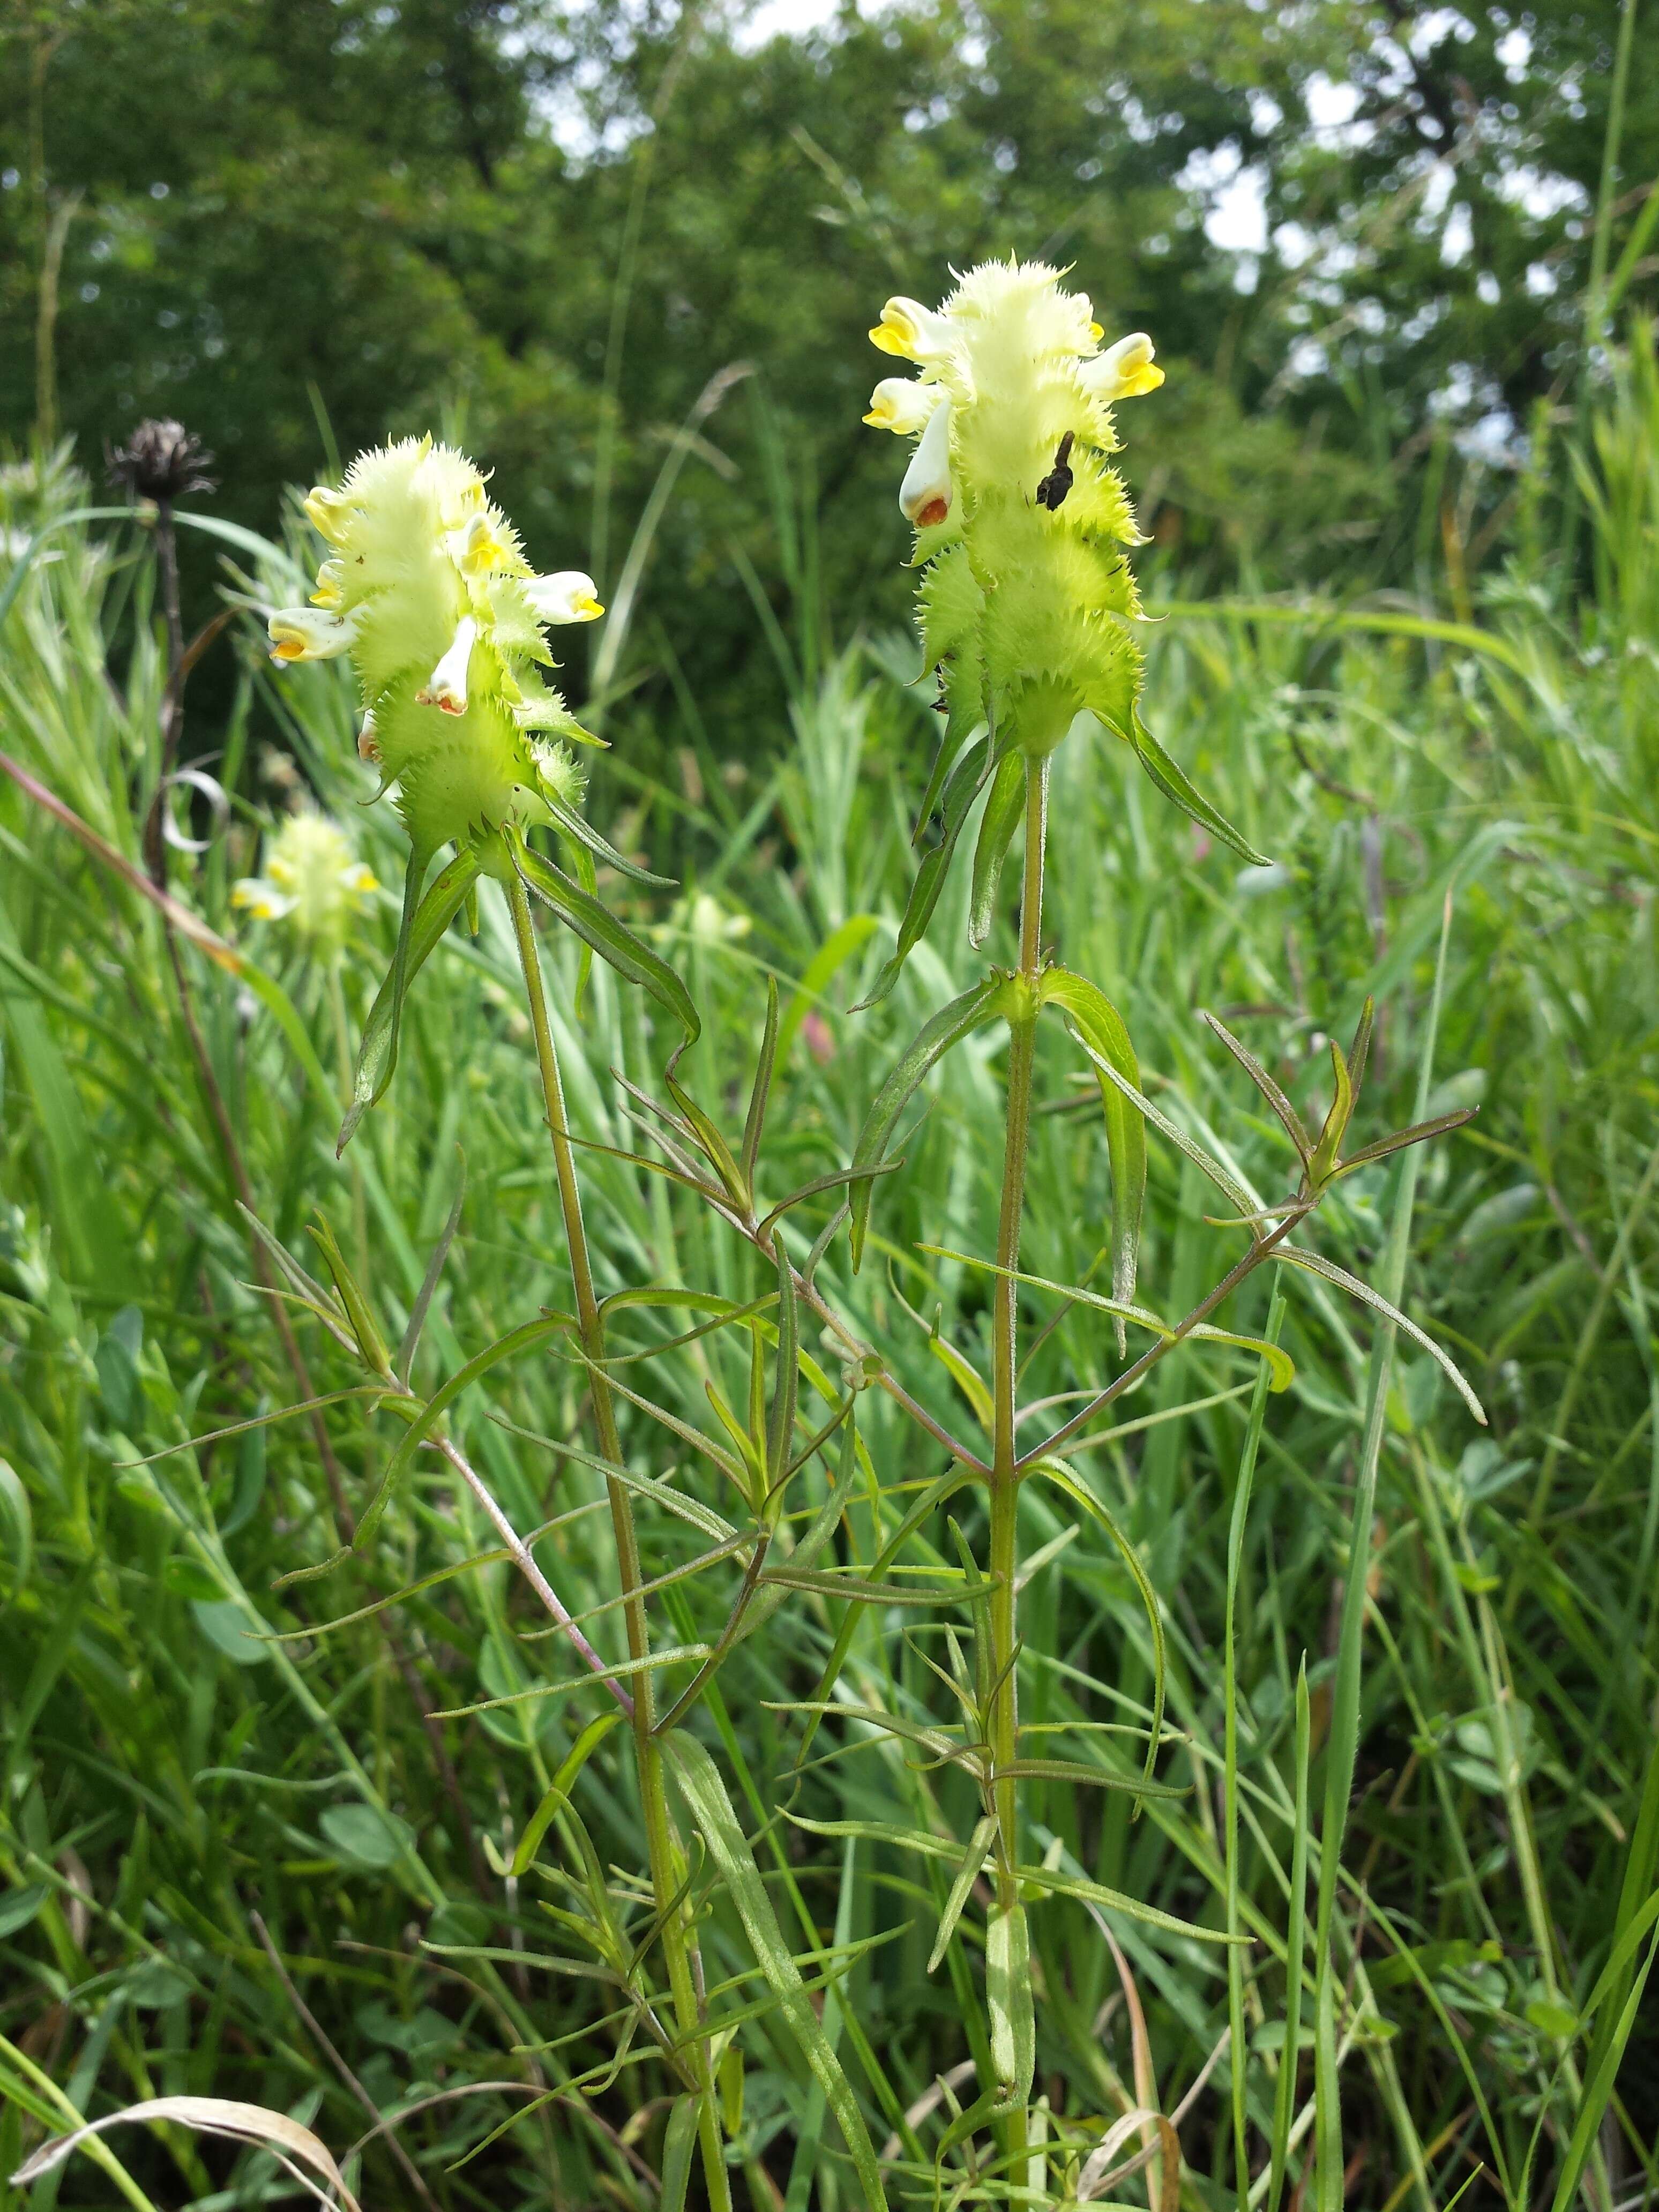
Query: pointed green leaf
x=679 y=2143
x=1291 y=1120
x=595 y=924
x=926 y=1048
x=966 y=1875
x=1293 y=1255
x=558 y=1793
x=1001 y=817
x=424 y=922
x=759 y=1096
x=929 y=881
x=1098 y=1023
x=580 y=831
x=1173 y=783
x=729 y=1847
x=1063 y=1479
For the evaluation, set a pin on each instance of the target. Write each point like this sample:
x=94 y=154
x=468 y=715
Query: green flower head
x=428 y=590
x=1021 y=522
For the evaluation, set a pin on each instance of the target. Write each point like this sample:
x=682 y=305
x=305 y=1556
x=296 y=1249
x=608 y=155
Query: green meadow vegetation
x=1257 y=1805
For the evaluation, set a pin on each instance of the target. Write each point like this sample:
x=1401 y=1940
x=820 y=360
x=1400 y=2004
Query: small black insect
x=1051 y=492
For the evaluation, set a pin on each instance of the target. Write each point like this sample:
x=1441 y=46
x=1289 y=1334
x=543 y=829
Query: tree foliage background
x=1364 y=236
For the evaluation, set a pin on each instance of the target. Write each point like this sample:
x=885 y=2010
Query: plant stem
x=667 y=1872
x=1004 y=1474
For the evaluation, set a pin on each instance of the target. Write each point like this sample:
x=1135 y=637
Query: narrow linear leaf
x=1001 y=817
x=1081 y=1495
x=966 y=1875
x=760 y=1096
x=558 y=1793
x=1176 y=784
x=1266 y=1083
x=582 y=832
x=935 y=866
x=711 y=1809
x=1097 y=1022
x=1292 y=1256
x=1055 y=1884
x=614 y=942
x=925 y=1049
x=424 y=922
x=1228 y=1184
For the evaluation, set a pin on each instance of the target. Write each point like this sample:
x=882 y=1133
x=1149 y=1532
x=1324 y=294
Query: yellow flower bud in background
x=311 y=881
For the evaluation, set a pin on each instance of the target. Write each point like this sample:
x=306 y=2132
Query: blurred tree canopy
x=1369 y=239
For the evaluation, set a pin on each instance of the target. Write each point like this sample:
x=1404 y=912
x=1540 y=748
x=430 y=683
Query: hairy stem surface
x=668 y=1871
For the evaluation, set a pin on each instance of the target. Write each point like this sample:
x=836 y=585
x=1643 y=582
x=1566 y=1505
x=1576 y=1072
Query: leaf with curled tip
x=964 y=786
x=925 y=1049
x=284 y=2138
x=1292 y=1256
x=1175 y=783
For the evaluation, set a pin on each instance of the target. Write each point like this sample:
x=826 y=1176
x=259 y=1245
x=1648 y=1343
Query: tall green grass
x=251 y=1868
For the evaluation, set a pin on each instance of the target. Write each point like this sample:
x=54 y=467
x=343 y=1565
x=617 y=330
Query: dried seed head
x=161 y=460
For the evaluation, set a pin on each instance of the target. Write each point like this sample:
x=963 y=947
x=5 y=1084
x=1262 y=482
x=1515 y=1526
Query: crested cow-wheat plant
x=1029 y=619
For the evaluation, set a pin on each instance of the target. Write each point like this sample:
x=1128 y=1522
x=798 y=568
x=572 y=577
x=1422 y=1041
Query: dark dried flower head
x=161 y=460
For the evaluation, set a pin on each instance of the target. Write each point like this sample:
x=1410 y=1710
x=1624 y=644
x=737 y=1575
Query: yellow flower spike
x=1124 y=371
x=902 y=405
x=310 y=633
x=567 y=596
x=913 y=333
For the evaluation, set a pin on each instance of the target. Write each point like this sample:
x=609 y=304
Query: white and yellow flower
x=1022 y=524
x=1125 y=370
x=314 y=633
x=568 y=596
x=903 y=405
x=312 y=880
x=427 y=587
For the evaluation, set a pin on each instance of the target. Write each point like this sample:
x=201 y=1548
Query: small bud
x=568 y=596
x=924 y=494
x=477 y=547
x=445 y=688
x=901 y=405
x=327 y=513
